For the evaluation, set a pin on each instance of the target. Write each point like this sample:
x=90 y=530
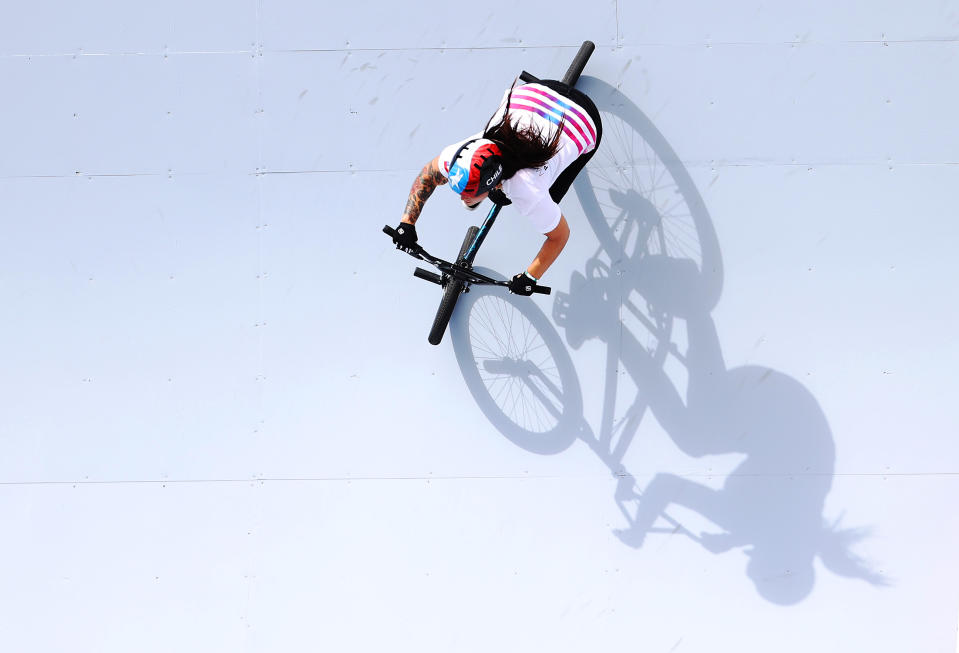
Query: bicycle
x=456 y=277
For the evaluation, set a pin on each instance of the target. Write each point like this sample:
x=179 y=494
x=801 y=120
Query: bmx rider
x=541 y=136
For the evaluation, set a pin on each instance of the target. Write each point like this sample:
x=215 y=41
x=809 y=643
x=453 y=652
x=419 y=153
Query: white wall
x=223 y=428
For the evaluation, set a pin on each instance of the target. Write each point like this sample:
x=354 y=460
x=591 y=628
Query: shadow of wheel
x=658 y=251
x=517 y=369
x=641 y=201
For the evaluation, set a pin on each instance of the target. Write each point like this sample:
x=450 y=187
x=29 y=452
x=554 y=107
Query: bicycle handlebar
x=466 y=274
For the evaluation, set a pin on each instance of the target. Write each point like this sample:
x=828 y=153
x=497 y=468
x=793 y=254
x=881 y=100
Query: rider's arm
x=429 y=178
x=554 y=244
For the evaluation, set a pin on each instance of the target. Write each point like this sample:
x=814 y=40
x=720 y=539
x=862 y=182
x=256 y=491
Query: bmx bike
x=456 y=277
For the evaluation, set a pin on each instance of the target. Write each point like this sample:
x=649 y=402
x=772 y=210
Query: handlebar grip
x=420 y=273
x=542 y=290
x=390 y=231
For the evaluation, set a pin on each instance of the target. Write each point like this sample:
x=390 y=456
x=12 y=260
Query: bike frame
x=483 y=232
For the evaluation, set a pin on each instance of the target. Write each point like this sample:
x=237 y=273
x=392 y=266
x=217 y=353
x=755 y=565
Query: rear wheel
x=451 y=293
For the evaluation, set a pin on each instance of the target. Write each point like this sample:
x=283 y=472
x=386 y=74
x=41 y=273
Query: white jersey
x=544 y=109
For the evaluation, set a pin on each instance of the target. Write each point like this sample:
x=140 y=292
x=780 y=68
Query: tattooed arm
x=429 y=178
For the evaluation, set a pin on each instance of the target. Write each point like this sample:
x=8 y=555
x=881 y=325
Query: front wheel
x=451 y=293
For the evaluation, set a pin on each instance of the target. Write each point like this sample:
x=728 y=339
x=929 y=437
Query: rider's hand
x=522 y=284
x=497 y=196
x=406 y=239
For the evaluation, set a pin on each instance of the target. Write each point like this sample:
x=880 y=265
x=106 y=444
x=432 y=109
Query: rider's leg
x=668 y=489
x=561 y=186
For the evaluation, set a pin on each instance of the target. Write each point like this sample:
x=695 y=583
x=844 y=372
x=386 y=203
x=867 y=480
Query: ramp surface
x=731 y=427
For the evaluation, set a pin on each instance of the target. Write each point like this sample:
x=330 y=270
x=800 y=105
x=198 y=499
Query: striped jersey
x=546 y=110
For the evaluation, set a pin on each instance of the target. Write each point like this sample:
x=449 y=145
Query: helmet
x=476 y=167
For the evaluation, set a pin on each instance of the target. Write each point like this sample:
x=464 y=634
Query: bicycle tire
x=579 y=62
x=451 y=293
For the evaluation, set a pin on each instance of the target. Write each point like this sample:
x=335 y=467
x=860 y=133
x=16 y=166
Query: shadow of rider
x=771 y=505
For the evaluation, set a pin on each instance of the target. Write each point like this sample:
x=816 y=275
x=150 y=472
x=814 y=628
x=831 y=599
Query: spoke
x=478 y=342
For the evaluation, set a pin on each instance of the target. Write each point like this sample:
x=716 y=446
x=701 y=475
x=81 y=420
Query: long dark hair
x=523 y=147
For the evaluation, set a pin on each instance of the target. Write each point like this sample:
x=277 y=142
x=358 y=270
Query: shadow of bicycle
x=658 y=261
